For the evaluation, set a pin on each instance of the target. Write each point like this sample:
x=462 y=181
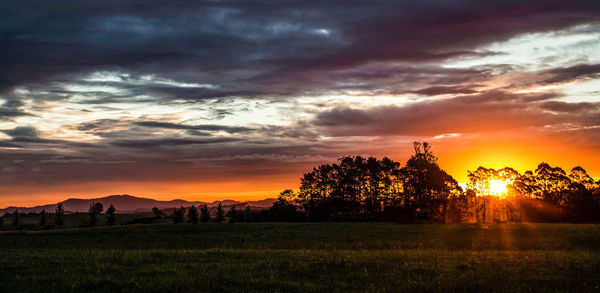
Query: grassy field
x=304 y=257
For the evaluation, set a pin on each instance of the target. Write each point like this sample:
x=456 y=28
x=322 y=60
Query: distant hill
x=132 y=204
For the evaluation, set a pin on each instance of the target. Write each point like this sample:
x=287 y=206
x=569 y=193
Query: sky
x=207 y=100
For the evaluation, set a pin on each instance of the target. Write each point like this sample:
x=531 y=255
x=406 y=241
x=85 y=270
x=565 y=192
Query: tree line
x=371 y=189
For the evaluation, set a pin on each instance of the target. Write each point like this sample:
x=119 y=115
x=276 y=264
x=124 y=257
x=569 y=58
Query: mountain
x=131 y=204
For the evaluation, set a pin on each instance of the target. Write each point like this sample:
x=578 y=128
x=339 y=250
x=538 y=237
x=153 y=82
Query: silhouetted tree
x=248 y=214
x=177 y=215
x=157 y=213
x=353 y=188
x=282 y=210
x=2 y=221
x=204 y=214
x=220 y=213
x=427 y=188
x=16 y=222
x=192 y=215
x=110 y=215
x=60 y=214
x=43 y=220
x=232 y=214
x=94 y=210
x=583 y=200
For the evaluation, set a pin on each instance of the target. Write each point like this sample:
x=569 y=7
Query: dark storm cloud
x=22 y=131
x=571 y=107
x=566 y=74
x=8 y=113
x=266 y=47
x=168 y=125
x=170 y=142
x=443 y=90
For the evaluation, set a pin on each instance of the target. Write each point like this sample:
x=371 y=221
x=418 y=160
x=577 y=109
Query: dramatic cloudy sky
x=225 y=99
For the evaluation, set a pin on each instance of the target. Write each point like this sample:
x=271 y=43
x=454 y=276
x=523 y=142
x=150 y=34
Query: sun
x=498 y=187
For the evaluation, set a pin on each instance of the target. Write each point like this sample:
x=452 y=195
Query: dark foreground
x=304 y=257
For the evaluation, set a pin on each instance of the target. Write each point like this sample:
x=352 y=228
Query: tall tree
x=220 y=213
x=581 y=180
x=177 y=215
x=192 y=215
x=426 y=186
x=95 y=209
x=110 y=215
x=16 y=222
x=60 y=214
x=353 y=188
x=232 y=214
x=552 y=183
x=248 y=215
x=204 y=213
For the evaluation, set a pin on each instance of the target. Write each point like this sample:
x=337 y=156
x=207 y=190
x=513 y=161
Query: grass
x=304 y=257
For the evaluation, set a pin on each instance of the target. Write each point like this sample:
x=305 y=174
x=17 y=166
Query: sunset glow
x=498 y=187
x=202 y=101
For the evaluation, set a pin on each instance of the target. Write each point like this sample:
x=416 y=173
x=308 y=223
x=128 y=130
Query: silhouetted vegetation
x=420 y=191
x=547 y=194
x=43 y=219
x=204 y=214
x=94 y=210
x=178 y=215
x=233 y=215
x=371 y=189
x=248 y=214
x=16 y=222
x=220 y=215
x=157 y=213
x=192 y=215
x=59 y=214
x=110 y=215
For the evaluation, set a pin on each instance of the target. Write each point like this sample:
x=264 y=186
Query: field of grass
x=304 y=257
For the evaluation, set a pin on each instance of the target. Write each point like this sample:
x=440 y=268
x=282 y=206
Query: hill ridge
x=125 y=203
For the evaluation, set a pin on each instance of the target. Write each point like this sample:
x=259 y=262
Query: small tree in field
x=177 y=215
x=220 y=213
x=16 y=218
x=60 y=214
x=192 y=215
x=43 y=218
x=110 y=215
x=94 y=210
x=204 y=214
x=1 y=221
x=232 y=214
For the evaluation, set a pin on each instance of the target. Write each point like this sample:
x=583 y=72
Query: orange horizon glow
x=456 y=161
